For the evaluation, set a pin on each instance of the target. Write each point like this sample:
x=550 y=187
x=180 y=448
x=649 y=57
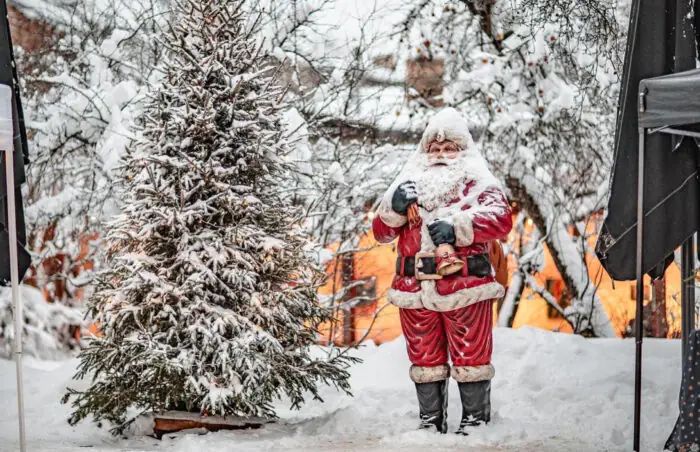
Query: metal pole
x=638 y=321
x=14 y=262
x=687 y=292
x=14 y=269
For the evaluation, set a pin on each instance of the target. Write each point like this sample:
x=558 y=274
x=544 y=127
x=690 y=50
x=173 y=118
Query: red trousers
x=465 y=332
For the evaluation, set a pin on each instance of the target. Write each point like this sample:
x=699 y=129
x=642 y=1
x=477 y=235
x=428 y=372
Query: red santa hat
x=447 y=124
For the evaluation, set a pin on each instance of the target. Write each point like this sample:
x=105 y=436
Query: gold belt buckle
x=419 y=275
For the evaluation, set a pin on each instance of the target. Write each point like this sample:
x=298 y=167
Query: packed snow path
x=552 y=392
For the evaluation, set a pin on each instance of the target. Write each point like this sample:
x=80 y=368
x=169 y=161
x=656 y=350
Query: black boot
x=476 y=404
x=432 y=399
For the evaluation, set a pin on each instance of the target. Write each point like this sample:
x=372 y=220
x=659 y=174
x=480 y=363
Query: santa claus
x=444 y=283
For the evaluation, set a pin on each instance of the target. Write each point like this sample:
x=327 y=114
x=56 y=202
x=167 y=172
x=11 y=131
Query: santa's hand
x=403 y=197
x=441 y=232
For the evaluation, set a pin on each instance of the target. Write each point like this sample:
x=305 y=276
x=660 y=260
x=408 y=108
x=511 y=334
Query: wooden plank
x=175 y=421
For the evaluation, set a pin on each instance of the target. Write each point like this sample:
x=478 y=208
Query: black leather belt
x=477 y=265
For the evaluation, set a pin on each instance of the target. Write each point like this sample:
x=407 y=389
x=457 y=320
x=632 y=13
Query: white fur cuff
x=389 y=217
x=464 y=229
x=468 y=374
x=421 y=374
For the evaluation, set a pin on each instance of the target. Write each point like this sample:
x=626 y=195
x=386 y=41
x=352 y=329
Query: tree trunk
x=511 y=302
x=659 y=326
x=347 y=278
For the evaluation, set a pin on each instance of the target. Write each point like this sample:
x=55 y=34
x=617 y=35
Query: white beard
x=436 y=185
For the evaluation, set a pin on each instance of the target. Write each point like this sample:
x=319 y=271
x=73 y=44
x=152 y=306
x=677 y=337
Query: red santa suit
x=452 y=314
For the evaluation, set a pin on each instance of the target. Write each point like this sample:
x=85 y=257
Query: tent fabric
x=671 y=100
x=8 y=76
x=661 y=41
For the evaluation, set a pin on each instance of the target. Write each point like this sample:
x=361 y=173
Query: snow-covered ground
x=552 y=392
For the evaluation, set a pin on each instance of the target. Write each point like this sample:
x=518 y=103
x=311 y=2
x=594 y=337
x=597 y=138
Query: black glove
x=403 y=197
x=442 y=232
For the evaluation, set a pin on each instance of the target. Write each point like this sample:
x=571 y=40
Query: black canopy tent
x=668 y=105
x=655 y=178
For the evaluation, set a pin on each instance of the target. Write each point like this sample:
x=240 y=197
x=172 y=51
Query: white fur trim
x=447 y=124
x=421 y=374
x=469 y=374
x=464 y=228
x=428 y=297
x=426 y=243
x=389 y=217
x=404 y=300
x=459 y=299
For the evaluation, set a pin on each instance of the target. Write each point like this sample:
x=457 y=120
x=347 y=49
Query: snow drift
x=552 y=392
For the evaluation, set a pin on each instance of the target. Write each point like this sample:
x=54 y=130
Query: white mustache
x=440 y=161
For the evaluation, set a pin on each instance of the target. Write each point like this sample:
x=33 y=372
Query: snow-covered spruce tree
x=210 y=302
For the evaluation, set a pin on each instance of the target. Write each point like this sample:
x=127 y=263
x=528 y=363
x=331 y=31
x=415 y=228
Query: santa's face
x=440 y=173
x=442 y=152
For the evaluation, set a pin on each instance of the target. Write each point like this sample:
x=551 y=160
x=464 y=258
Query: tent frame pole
x=17 y=303
x=671 y=131
x=638 y=321
x=687 y=292
x=687 y=274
